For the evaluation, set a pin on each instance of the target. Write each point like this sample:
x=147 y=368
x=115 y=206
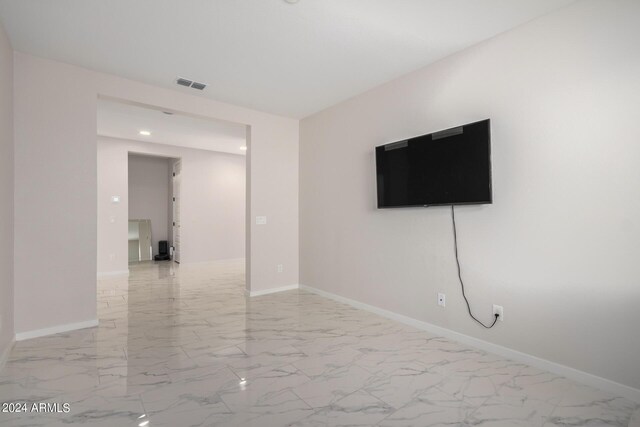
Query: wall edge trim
x=592 y=380
x=272 y=290
x=36 y=333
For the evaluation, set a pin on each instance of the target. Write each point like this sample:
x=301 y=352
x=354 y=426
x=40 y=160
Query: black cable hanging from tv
x=455 y=247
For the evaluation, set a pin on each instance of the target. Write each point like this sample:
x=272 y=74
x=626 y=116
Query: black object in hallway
x=163 y=251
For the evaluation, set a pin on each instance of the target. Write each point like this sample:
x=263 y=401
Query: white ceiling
x=269 y=55
x=125 y=121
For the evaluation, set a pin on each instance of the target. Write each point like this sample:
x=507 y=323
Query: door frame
x=176 y=169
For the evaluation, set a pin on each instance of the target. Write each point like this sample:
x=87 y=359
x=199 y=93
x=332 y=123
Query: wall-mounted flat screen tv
x=450 y=167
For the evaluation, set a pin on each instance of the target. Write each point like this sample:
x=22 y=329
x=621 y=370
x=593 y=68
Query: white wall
x=559 y=246
x=6 y=193
x=212 y=205
x=55 y=196
x=149 y=196
x=55 y=188
x=112 y=218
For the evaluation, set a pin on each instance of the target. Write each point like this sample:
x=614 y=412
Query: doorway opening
x=152 y=209
x=169 y=180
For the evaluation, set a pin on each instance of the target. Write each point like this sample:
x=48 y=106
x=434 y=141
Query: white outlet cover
x=498 y=309
x=261 y=220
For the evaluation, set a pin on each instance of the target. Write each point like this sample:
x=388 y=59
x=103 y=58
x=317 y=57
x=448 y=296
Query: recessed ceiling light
x=145 y=132
x=243 y=148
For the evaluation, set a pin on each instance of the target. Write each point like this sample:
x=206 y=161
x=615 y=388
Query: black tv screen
x=450 y=167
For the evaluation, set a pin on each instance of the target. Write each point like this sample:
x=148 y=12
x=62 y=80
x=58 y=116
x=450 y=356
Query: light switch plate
x=261 y=220
x=115 y=199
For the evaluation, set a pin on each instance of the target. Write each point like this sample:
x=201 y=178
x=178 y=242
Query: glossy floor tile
x=184 y=346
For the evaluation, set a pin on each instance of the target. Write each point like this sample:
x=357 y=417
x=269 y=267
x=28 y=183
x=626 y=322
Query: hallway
x=184 y=346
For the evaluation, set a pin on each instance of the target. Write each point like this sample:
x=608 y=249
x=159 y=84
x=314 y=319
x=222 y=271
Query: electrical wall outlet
x=497 y=309
x=442 y=300
x=279 y=268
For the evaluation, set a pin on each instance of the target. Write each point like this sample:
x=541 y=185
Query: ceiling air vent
x=184 y=82
x=197 y=85
x=190 y=83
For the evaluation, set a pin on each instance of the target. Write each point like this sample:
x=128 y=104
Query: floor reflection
x=183 y=345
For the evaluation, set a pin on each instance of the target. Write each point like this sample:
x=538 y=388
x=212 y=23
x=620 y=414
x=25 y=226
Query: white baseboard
x=211 y=261
x=272 y=290
x=113 y=274
x=4 y=356
x=21 y=336
x=604 y=384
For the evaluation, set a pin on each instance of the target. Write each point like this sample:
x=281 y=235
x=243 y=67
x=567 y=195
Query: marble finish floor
x=184 y=346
